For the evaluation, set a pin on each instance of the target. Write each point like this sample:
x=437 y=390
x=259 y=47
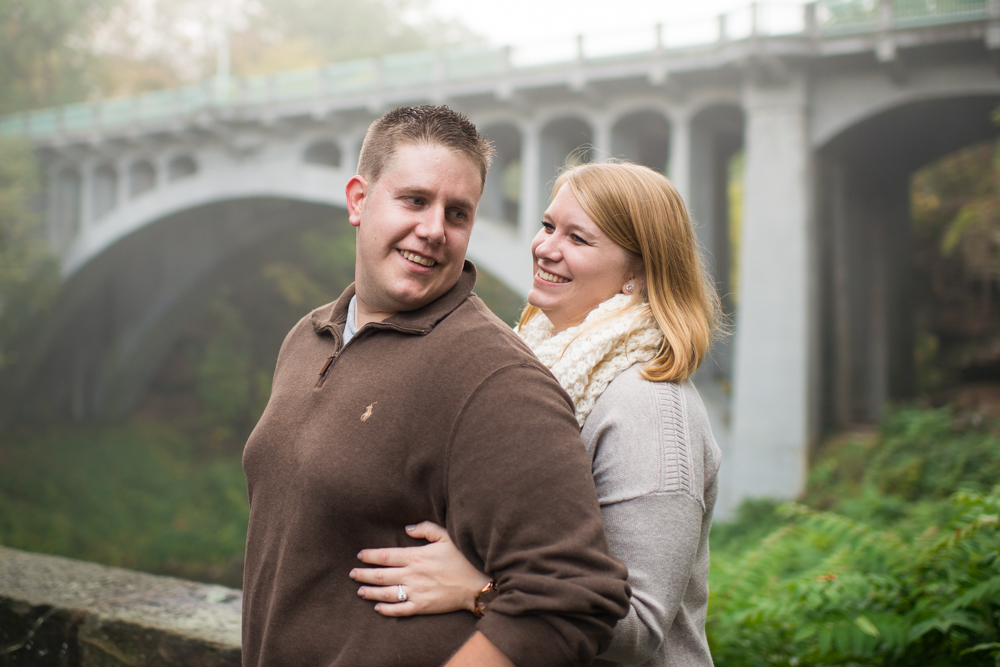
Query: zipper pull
x=322 y=371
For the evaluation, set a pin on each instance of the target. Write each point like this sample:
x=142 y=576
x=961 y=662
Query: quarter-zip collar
x=331 y=318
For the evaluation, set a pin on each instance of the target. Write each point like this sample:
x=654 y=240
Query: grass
x=135 y=495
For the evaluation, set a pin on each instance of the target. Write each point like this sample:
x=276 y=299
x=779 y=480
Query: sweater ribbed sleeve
x=523 y=507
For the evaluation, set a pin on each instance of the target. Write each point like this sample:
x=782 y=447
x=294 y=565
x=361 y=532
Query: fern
x=828 y=588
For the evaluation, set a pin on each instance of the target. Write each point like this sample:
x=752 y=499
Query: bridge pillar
x=602 y=139
x=680 y=154
x=86 y=196
x=772 y=404
x=122 y=170
x=529 y=215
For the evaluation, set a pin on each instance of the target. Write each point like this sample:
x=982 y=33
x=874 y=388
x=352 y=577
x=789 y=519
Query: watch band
x=481 y=602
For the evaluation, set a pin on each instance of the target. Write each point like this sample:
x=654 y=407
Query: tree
x=956 y=227
x=58 y=51
x=147 y=44
x=336 y=30
x=28 y=278
x=45 y=51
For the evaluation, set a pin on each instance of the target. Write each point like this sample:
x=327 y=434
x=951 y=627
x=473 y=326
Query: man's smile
x=417 y=259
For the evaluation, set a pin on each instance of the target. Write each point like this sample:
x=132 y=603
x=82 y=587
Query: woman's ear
x=635 y=281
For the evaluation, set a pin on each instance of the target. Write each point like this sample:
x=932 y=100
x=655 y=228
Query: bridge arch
x=145 y=270
x=126 y=305
x=141 y=177
x=286 y=179
x=716 y=136
x=324 y=153
x=863 y=185
x=501 y=199
x=848 y=101
x=105 y=196
x=181 y=166
x=643 y=136
x=563 y=140
x=66 y=201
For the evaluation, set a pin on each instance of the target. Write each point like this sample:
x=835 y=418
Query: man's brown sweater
x=443 y=414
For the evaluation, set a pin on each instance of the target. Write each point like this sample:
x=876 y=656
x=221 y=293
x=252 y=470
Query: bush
x=132 y=496
x=896 y=563
x=826 y=590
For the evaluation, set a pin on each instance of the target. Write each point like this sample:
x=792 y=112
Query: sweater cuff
x=533 y=641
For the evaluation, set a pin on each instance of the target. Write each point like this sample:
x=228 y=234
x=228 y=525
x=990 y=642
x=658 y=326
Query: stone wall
x=66 y=613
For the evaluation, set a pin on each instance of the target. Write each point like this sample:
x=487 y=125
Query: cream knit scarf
x=587 y=357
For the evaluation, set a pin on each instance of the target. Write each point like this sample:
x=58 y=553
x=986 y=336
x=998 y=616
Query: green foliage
x=506 y=304
x=28 y=278
x=824 y=589
x=955 y=208
x=54 y=52
x=956 y=201
x=130 y=496
x=337 y=30
x=900 y=568
x=215 y=382
x=153 y=44
x=46 y=57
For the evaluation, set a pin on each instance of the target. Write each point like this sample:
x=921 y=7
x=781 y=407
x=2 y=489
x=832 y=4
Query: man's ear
x=357 y=190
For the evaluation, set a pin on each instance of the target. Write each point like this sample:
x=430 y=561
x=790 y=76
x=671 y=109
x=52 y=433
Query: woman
x=621 y=313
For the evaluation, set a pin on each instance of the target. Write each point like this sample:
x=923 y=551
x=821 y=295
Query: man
x=406 y=400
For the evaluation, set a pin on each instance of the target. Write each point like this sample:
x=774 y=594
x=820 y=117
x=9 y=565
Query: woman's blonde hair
x=640 y=210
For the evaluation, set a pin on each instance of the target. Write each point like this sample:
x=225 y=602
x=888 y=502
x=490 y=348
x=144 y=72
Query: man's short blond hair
x=435 y=125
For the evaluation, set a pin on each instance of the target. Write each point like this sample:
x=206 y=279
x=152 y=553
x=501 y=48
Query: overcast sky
x=520 y=21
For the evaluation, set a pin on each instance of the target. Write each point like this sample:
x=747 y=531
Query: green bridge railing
x=825 y=18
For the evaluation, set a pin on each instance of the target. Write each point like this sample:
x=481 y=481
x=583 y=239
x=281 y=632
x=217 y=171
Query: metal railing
x=824 y=18
x=839 y=17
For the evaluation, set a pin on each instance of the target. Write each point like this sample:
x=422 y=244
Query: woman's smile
x=551 y=277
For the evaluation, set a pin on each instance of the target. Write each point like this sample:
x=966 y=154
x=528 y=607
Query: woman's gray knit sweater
x=655 y=464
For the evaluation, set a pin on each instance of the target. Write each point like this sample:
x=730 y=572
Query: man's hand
x=479 y=652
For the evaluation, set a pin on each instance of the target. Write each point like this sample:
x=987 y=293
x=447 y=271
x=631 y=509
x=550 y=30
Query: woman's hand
x=436 y=577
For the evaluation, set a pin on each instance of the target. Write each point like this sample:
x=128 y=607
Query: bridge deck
x=822 y=19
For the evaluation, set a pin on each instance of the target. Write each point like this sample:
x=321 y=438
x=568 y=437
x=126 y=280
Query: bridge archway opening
x=141 y=178
x=105 y=193
x=122 y=313
x=180 y=167
x=64 y=222
x=501 y=198
x=865 y=252
x=715 y=205
x=119 y=314
x=324 y=153
x=642 y=137
x=564 y=142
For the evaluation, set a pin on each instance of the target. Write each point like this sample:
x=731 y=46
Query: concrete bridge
x=833 y=105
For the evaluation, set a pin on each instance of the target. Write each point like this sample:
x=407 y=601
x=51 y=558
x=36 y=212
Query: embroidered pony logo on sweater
x=368 y=411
